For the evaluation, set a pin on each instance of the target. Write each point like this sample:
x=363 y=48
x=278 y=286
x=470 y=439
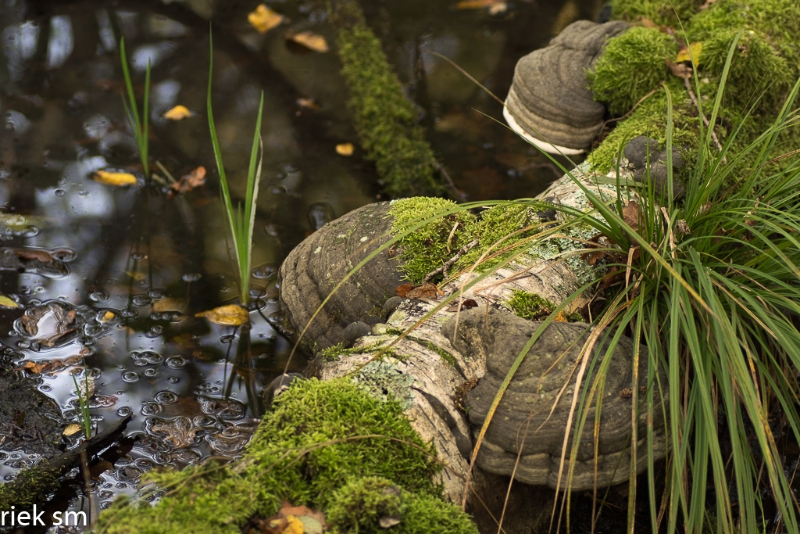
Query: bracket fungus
x=527 y=424
x=549 y=103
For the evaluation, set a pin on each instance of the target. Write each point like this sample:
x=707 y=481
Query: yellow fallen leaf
x=308 y=103
x=263 y=19
x=7 y=302
x=178 y=113
x=115 y=178
x=560 y=317
x=345 y=149
x=71 y=429
x=230 y=315
x=295 y=526
x=310 y=40
x=695 y=48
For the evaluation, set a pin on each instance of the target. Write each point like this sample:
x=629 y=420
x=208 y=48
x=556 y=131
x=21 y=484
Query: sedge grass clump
x=241 y=219
x=84 y=395
x=139 y=123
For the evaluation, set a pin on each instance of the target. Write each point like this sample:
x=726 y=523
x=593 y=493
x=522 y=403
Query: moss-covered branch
x=384 y=119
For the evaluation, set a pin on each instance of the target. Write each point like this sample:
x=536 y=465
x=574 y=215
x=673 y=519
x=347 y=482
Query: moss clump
x=385 y=120
x=663 y=12
x=305 y=449
x=427 y=248
x=631 y=66
x=535 y=308
x=361 y=505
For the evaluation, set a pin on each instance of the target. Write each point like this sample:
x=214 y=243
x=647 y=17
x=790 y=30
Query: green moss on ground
x=765 y=65
x=631 y=66
x=662 y=12
x=362 y=505
x=385 y=119
x=305 y=450
x=534 y=307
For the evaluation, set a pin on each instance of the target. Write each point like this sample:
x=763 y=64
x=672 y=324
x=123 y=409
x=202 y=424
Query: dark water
x=134 y=267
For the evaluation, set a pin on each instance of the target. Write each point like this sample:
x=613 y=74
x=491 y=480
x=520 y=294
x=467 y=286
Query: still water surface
x=132 y=266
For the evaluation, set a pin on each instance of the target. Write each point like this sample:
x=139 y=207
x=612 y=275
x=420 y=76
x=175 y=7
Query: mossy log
x=409 y=357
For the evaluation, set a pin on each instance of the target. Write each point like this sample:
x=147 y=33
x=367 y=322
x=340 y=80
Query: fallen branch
x=449 y=263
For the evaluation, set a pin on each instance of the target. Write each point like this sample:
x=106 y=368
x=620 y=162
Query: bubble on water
x=120 y=485
x=154 y=332
x=173 y=379
x=272 y=230
x=30 y=231
x=203 y=420
x=105 y=505
x=191 y=277
x=129 y=314
x=136 y=256
x=156 y=293
x=166 y=397
x=176 y=362
x=64 y=254
x=277 y=190
x=59 y=192
x=187 y=456
x=141 y=300
x=156 y=316
x=23 y=344
x=150 y=372
x=99 y=296
x=264 y=272
x=227 y=339
x=93 y=330
x=45 y=388
x=320 y=214
x=130 y=376
x=151 y=408
x=124 y=411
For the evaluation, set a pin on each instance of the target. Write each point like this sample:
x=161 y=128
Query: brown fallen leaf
x=178 y=113
x=679 y=69
x=54 y=366
x=344 y=149
x=631 y=213
x=230 y=315
x=425 y=291
x=561 y=317
x=310 y=40
x=42 y=256
x=180 y=432
x=692 y=52
x=465 y=305
x=308 y=103
x=263 y=19
x=403 y=289
x=594 y=256
x=196 y=178
x=118 y=179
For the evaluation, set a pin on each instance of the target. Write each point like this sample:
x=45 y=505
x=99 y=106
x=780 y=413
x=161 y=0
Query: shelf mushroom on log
x=419 y=355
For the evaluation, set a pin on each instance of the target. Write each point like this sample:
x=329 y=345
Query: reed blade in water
x=138 y=123
x=241 y=221
x=83 y=401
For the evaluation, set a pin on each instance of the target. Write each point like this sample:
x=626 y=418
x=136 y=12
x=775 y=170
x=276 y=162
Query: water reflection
x=144 y=264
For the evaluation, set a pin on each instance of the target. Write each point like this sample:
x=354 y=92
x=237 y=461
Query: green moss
x=360 y=505
x=534 y=307
x=29 y=488
x=305 y=449
x=385 y=120
x=663 y=12
x=631 y=66
x=427 y=248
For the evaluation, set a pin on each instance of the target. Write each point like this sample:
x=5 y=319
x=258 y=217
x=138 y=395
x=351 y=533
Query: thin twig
x=449 y=263
x=459 y=194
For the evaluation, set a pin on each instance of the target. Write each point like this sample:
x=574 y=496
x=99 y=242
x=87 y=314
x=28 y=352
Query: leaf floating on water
x=7 y=302
x=196 y=178
x=344 y=149
x=72 y=429
x=308 y=103
x=180 y=431
x=54 y=366
x=310 y=40
x=263 y=19
x=178 y=113
x=692 y=52
x=107 y=317
x=230 y=315
x=118 y=179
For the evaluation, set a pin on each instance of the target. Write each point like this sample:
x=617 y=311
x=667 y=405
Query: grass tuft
x=138 y=123
x=240 y=219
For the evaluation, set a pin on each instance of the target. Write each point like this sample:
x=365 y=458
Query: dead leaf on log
x=403 y=289
x=194 y=179
x=465 y=305
x=425 y=291
x=310 y=40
